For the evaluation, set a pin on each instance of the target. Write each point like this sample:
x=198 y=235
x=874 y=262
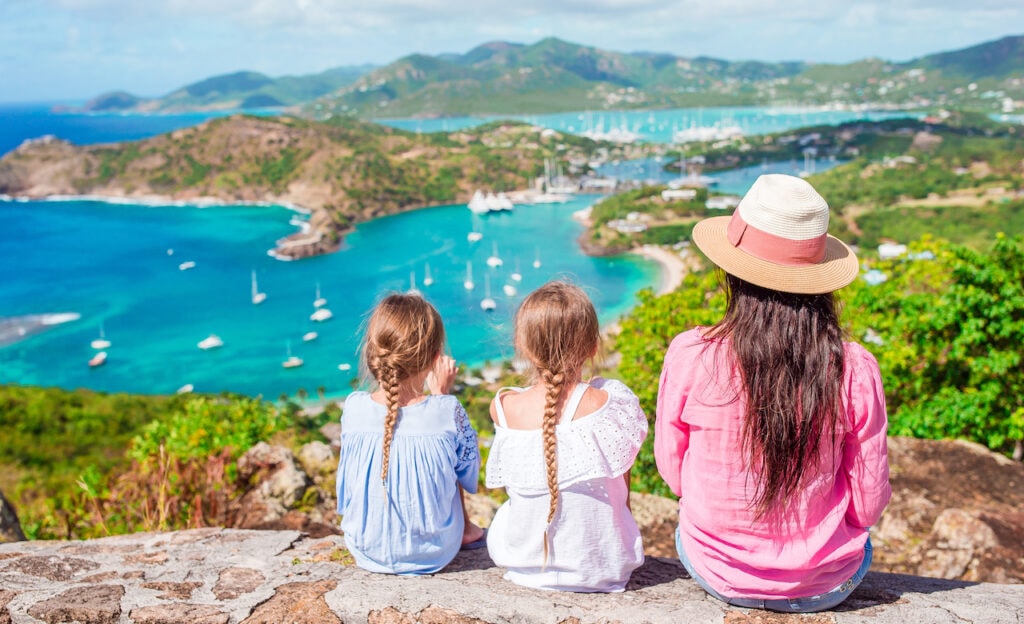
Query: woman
x=770 y=428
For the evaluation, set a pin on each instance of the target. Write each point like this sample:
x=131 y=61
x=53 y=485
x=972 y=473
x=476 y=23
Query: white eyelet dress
x=594 y=543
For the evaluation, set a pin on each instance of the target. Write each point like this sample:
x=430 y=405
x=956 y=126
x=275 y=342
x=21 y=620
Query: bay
x=110 y=264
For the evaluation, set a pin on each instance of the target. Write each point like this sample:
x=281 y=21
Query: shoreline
x=673 y=269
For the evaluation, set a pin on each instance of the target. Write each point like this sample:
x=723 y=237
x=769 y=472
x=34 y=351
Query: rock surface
x=221 y=576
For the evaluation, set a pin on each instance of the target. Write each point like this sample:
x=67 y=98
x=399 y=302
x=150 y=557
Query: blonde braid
x=553 y=382
x=389 y=384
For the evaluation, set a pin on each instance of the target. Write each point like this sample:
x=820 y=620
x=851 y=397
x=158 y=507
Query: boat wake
x=15 y=328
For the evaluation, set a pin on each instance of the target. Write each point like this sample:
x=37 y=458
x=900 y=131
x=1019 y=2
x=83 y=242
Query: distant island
x=552 y=75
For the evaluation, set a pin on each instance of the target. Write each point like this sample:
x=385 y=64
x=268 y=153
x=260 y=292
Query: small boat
x=98 y=360
x=510 y=290
x=308 y=336
x=319 y=301
x=494 y=261
x=257 y=296
x=487 y=304
x=345 y=366
x=321 y=314
x=210 y=342
x=101 y=342
x=185 y=389
x=170 y=252
x=516 y=275
x=412 y=284
x=474 y=236
x=468 y=284
x=185 y=266
x=536 y=260
x=427 y=279
x=291 y=361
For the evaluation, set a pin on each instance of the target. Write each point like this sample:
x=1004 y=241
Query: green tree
x=949 y=328
x=645 y=336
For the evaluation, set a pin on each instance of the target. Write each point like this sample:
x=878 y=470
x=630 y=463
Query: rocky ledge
x=217 y=576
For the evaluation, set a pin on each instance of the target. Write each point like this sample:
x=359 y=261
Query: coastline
x=673 y=269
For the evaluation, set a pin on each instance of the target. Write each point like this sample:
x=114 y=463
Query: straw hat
x=778 y=238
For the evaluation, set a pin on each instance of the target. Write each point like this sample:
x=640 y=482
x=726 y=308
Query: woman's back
x=813 y=542
x=593 y=541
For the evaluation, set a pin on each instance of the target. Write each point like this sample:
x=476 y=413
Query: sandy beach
x=673 y=269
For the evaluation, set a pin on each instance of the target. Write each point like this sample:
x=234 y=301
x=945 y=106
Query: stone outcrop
x=10 y=528
x=222 y=576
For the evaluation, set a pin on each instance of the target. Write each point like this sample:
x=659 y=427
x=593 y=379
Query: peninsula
x=341 y=172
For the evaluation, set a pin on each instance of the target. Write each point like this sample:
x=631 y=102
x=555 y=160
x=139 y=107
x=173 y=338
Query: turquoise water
x=109 y=263
x=658 y=126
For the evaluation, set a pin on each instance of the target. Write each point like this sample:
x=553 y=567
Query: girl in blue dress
x=406 y=456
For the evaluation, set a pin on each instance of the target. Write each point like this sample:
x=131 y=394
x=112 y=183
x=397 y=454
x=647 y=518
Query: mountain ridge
x=554 y=75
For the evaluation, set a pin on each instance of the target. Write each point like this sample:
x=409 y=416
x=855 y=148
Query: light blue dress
x=413 y=525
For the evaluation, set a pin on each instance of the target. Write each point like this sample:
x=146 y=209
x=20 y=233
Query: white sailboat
x=536 y=260
x=495 y=260
x=412 y=284
x=516 y=275
x=101 y=342
x=319 y=301
x=210 y=342
x=427 y=279
x=309 y=336
x=468 y=284
x=487 y=304
x=257 y=296
x=321 y=315
x=98 y=360
x=509 y=290
x=291 y=361
x=474 y=236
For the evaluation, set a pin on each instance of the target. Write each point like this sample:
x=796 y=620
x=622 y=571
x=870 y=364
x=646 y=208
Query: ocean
x=117 y=266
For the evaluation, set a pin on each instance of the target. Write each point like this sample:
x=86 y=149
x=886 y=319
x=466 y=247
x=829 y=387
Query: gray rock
x=318 y=460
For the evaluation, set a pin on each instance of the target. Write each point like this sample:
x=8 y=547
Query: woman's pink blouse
x=817 y=542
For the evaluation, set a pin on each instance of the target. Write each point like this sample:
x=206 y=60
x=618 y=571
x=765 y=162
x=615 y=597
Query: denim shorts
x=807 y=604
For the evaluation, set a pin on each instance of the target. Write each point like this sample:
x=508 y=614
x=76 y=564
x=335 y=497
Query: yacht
x=516 y=275
x=319 y=301
x=257 y=296
x=185 y=389
x=210 y=342
x=427 y=279
x=474 y=236
x=536 y=260
x=509 y=290
x=487 y=304
x=101 y=342
x=345 y=366
x=412 y=285
x=185 y=266
x=320 y=315
x=494 y=261
x=468 y=284
x=291 y=361
x=98 y=360
x=309 y=336
x=478 y=204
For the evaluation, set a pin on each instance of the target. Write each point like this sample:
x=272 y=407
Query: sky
x=72 y=50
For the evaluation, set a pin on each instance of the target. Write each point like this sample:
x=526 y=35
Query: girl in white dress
x=563 y=451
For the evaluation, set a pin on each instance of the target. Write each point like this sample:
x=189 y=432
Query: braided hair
x=403 y=336
x=557 y=331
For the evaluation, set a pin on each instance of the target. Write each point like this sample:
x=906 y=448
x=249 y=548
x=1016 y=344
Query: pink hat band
x=772 y=247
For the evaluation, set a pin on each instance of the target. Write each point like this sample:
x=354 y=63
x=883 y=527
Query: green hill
x=244 y=89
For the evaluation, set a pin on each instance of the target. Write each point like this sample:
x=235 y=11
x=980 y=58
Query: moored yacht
x=257 y=296
x=487 y=304
x=494 y=261
x=468 y=284
x=210 y=342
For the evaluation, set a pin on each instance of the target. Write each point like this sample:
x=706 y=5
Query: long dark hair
x=789 y=352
